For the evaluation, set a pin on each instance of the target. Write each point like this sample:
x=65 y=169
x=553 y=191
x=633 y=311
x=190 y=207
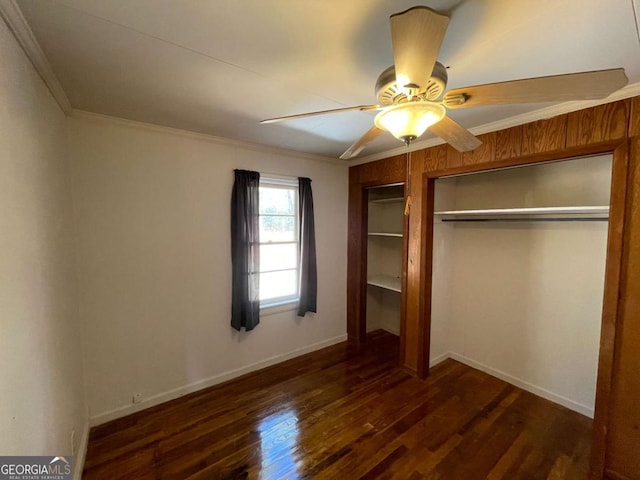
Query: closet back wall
x=155 y=271
x=525 y=298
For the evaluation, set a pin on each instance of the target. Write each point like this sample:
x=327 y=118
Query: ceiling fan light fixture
x=408 y=121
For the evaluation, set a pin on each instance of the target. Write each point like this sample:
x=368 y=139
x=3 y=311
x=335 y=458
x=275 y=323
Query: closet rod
x=550 y=219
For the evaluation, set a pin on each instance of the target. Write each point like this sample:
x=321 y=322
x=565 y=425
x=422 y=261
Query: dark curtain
x=245 y=250
x=308 y=272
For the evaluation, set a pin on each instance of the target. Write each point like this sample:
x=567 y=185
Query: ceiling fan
x=410 y=93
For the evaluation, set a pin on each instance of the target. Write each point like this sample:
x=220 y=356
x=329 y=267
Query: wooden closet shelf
x=388 y=200
x=385 y=281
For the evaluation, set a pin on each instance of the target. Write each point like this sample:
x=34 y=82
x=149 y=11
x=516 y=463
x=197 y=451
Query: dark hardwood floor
x=347 y=413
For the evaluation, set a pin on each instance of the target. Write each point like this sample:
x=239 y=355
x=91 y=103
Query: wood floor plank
x=347 y=412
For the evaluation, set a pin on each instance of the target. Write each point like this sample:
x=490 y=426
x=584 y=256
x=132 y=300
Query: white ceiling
x=218 y=67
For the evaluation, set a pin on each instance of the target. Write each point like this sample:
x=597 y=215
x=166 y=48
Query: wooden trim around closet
x=377 y=174
x=609 y=128
x=357 y=263
x=613 y=269
x=623 y=426
x=426 y=277
x=610 y=307
x=403 y=280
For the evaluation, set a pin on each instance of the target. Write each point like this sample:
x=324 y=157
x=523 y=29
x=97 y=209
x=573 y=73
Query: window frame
x=288 y=302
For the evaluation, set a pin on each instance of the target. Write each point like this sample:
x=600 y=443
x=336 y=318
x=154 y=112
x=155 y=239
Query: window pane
x=278 y=284
x=277 y=200
x=277 y=229
x=278 y=257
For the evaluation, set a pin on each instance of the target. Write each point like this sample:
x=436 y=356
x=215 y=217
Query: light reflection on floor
x=279 y=445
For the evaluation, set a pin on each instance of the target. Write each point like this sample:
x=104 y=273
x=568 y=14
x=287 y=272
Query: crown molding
x=629 y=91
x=13 y=17
x=152 y=127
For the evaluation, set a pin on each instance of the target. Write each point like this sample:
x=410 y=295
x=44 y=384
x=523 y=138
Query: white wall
x=41 y=387
x=155 y=270
x=444 y=199
x=524 y=300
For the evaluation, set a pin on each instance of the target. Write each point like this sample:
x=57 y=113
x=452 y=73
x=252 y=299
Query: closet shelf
x=388 y=200
x=526 y=214
x=385 y=234
x=385 y=281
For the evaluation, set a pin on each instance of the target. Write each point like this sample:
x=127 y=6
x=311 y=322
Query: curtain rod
x=277 y=175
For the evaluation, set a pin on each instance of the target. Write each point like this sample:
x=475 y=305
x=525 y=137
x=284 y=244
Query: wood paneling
x=426 y=275
x=591 y=131
x=413 y=290
x=543 y=136
x=454 y=157
x=508 y=143
x=613 y=272
x=623 y=452
x=347 y=412
x=433 y=158
x=485 y=153
x=404 y=277
x=382 y=172
x=634 y=121
x=598 y=124
x=357 y=255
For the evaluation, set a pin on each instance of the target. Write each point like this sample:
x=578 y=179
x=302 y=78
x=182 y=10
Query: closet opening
x=556 y=302
x=385 y=257
x=519 y=261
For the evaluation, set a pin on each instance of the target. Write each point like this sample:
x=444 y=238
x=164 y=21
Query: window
x=279 y=262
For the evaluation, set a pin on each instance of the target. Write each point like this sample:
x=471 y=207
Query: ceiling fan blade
x=362 y=142
x=416 y=35
x=455 y=135
x=362 y=108
x=556 y=88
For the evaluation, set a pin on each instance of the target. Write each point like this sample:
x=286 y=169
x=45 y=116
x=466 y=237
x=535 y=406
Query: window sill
x=278 y=307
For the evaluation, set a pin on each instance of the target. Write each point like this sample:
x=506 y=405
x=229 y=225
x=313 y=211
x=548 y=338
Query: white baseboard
x=439 y=359
x=172 y=394
x=536 y=390
x=78 y=465
x=391 y=329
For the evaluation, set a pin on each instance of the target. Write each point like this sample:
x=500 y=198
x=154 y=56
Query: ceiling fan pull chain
x=407 y=205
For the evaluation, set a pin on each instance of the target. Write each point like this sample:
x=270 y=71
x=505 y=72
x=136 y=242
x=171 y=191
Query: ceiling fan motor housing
x=389 y=94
